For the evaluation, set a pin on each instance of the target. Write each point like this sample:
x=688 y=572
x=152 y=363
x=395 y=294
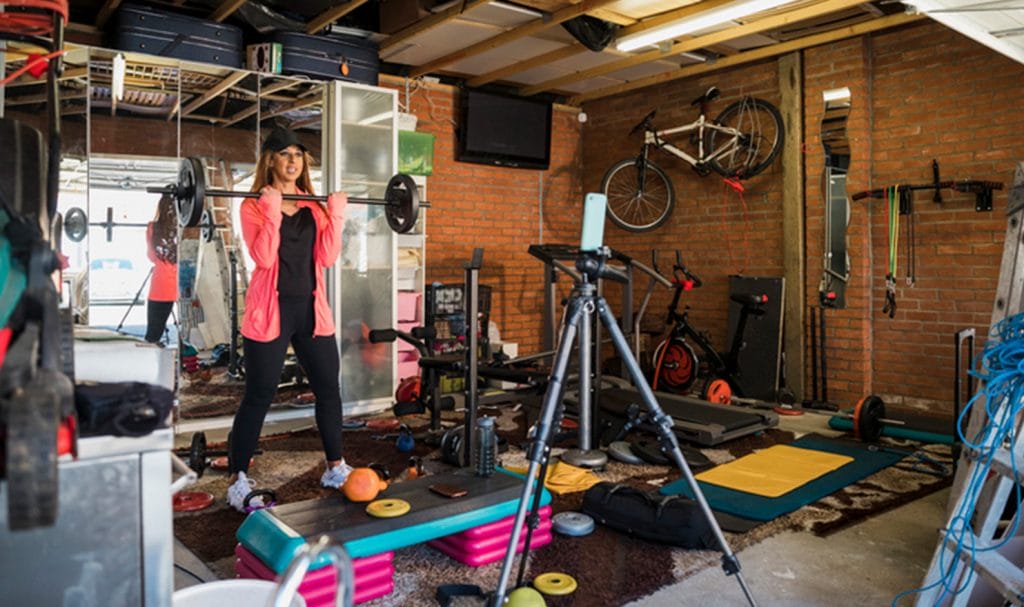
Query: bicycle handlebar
x=679 y=267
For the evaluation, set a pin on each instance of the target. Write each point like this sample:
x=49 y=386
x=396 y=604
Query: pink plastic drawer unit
x=485 y=557
x=408 y=306
x=500 y=526
x=374 y=577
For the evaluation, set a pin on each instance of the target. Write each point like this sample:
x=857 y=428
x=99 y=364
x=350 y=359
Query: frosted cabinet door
x=366 y=266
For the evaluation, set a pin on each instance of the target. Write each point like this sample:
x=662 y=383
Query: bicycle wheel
x=760 y=140
x=636 y=202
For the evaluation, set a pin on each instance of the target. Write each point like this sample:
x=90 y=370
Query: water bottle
x=486 y=451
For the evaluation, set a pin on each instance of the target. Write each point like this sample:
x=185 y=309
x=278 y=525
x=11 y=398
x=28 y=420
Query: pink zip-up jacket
x=261 y=229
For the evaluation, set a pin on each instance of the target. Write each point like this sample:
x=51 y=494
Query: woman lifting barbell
x=291 y=243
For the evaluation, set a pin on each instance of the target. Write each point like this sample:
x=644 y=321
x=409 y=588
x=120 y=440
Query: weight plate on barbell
x=867 y=418
x=207 y=229
x=403 y=203
x=190 y=192
x=197 y=453
x=76 y=224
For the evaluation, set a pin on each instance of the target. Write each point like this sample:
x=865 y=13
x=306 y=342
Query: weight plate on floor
x=574 y=524
x=555 y=584
x=387 y=508
x=621 y=451
x=190 y=501
x=384 y=424
x=649 y=452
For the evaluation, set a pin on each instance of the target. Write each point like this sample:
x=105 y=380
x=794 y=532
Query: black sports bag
x=666 y=519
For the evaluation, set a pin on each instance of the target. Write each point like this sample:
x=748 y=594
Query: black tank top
x=295 y=269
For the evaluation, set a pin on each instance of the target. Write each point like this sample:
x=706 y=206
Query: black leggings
x=156 y=319
x=264 y=362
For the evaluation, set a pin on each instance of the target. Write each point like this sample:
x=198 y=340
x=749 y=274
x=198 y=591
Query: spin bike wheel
x=675 y=366
x=635 y=207
x=762 y=133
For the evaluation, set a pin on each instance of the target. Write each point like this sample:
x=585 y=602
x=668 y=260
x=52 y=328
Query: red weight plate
x=190 y=501
x=383 y=424
x=719 y=392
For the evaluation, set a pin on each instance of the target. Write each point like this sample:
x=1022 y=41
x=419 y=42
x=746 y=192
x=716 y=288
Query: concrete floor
x=867 y=564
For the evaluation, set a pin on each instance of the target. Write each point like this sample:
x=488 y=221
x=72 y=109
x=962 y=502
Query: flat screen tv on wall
x=502 y=130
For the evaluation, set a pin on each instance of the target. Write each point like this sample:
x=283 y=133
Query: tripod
x=583 y=302
x=135 y=300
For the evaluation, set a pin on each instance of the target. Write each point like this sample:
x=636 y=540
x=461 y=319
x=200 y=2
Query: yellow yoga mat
x=774 y=471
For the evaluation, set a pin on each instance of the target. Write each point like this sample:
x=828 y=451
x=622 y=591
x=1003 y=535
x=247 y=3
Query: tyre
x=762 y=134
x=675 y=366
x=636 y=206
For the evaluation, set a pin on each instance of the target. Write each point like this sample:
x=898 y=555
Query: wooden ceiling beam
x=226 y=9
x=511 y=35
x=521 y=66
x=695 y=43
x=764 y=52
x=578 y=47
x=428 y=23
x=213 y=91
x=331 y=15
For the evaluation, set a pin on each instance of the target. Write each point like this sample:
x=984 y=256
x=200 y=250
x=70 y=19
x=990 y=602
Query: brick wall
x=501 y=210
x=919 y=93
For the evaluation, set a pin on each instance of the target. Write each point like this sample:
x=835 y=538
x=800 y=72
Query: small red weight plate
x=383 y=424
x=190 y=501
x=787 y=411
x=569 y=424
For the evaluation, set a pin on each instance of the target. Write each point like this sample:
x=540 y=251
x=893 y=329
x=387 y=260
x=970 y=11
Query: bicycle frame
x=701 y=125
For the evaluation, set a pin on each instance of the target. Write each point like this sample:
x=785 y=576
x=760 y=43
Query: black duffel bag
x=122 y=409
x=666 y=519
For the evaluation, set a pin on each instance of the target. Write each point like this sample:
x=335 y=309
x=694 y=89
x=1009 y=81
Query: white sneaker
x=334 y=478
x=238 y=491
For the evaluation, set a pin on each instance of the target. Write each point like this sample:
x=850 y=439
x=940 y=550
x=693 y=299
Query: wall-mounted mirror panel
x=832 y=291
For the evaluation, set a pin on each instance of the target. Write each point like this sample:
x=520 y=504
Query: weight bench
x=694 y=420
x=275 y=534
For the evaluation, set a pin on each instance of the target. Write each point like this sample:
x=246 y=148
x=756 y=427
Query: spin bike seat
x=707 y=97
x=752 y=302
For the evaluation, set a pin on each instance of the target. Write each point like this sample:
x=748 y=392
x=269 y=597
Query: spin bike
x=677 y=365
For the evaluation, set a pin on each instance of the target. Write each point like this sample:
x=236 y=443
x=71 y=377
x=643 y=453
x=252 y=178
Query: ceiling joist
x=331 y=15
x=225 y=10
x=758 y=54
x=428 y=23
x=511 y=35
x=695 y=43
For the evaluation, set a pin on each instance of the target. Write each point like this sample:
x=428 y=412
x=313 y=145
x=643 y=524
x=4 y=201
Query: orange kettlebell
x=363 y=485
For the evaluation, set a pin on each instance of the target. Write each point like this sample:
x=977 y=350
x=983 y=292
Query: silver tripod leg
x=539 y=447
x=669 y=442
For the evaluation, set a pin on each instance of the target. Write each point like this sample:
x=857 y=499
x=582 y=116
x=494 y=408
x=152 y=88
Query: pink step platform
x=489 y=543
x=374 y=577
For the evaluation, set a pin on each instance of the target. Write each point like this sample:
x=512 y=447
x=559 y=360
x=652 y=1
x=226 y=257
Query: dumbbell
x=197 y=454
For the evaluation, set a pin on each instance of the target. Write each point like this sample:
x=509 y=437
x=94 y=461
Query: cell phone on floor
x=448 y=490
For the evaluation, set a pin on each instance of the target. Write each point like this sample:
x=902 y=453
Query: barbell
x=76 y=225
x=198 y=454
x=868 y=417
x=401 y=198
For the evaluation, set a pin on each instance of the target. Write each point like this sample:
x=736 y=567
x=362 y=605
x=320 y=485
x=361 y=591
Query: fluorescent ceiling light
x=696 y=22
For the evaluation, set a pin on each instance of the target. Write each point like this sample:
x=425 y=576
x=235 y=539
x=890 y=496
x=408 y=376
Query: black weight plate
x=575 y=524
x=207 y=229
x=76 y=224
x=867 y=418
x=191 y=192
x=650 y=453
x=402 y=207
x=621 y=451
x=197 y=453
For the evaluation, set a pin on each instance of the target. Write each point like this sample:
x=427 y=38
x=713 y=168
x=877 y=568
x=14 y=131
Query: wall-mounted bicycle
x=740 y=143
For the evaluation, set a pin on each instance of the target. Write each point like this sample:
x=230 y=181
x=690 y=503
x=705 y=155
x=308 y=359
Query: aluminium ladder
x=1000 y=573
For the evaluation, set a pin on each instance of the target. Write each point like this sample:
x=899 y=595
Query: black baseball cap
x=280 y=138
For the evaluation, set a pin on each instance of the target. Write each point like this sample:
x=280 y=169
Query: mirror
x=215 y=274
x=220 y=128
x=832 y=290
x=129 y=95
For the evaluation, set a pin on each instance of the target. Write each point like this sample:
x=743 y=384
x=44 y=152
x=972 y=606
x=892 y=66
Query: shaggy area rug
x=610 y=567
